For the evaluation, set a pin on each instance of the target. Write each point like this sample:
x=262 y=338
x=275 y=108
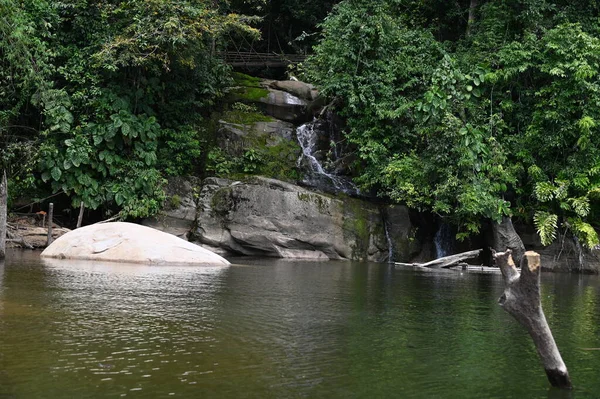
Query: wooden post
x=80 y=218
x=50 y=217
x=3 y=214
x=521 y=299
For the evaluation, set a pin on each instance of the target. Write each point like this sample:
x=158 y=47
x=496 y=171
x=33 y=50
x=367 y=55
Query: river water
x=281 y=329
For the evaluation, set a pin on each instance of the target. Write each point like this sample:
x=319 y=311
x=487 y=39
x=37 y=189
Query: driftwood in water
x=452 y=260
x=521 y=299
x=3 y=214
x=447 y=261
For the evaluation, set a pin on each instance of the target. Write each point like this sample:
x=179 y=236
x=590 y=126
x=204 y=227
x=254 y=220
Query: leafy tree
x=472 y=110
x=115 y=84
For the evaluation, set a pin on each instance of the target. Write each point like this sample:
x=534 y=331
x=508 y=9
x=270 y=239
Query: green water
x=280 y=329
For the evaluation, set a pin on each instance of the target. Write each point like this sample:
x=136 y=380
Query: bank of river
x=268 y=328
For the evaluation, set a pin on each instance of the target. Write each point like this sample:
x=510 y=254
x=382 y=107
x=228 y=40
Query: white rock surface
x=129 y=242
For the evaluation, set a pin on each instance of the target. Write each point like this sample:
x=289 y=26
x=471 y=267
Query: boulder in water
x=129 y=242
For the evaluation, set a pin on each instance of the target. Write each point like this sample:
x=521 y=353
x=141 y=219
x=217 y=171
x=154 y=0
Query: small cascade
x=390 y=243
x=443 y=241
x=318 y=176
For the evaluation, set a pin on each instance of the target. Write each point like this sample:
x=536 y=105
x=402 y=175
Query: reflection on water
x=268 y=328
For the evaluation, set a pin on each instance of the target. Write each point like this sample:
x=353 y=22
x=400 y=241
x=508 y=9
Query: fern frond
x=546 y=225
x=580 y=205
x=585 y=233
x=544 y=191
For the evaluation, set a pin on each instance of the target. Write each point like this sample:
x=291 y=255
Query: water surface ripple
x=280 y=329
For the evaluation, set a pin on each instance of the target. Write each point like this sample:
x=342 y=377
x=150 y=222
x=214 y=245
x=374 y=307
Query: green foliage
x=175 y=201
x=94 y=93
x=219 y=164
x=243 y=114
x=241 y=79
x=546 y=225
x=471 y=122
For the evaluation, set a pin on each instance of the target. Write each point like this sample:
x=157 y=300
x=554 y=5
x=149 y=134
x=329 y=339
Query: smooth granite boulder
x=129 y=242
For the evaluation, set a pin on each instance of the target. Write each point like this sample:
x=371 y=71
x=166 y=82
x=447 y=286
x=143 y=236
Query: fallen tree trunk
x=452 y=260
x=521 y=299
x=446 y=261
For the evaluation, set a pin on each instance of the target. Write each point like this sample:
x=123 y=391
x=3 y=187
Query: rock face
x=235 y=138
x=37 y=237
x=299 y=89
x=128 y=242
x=266 y=217
x=285 y=106
x=565 y=254
x=179 y=211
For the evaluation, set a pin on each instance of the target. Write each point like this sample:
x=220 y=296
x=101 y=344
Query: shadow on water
x=274 y=328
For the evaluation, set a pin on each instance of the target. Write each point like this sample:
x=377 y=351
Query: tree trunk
x=80 y=218
x=521 y=299
x=50 y=218
x=447 y=261
x=3 y=214
x=452 y=260
x=504 y=236
x=471 y=20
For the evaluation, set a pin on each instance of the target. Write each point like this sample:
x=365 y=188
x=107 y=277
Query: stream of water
x=319 y=177
x=266 y=328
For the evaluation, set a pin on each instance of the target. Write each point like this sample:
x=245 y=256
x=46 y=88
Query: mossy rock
x=249 y=94
x=246 y=118
x=241 y=79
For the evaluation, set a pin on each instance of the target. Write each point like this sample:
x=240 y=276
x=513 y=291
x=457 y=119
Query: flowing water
x=280 y=329
x=319 y=177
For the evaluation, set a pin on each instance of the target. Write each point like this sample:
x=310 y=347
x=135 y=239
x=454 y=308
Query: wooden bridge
x=253 y=59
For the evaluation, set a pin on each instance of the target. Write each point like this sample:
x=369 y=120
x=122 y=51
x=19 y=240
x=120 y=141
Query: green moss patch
x=245 y=118
x=249 y=94
x=241 y=79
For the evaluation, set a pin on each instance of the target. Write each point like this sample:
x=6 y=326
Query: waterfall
x=390 y=243
x=319 y=176
x=443 y=240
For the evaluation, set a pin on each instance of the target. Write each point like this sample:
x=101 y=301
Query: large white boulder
x=129 y=242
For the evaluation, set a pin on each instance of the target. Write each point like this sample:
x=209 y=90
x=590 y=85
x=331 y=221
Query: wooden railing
x=235 y=58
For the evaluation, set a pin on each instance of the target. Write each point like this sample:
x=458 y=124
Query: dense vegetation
x=104 y=98
x=472 y=109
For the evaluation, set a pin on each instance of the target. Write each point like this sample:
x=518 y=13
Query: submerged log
x=521 y=299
